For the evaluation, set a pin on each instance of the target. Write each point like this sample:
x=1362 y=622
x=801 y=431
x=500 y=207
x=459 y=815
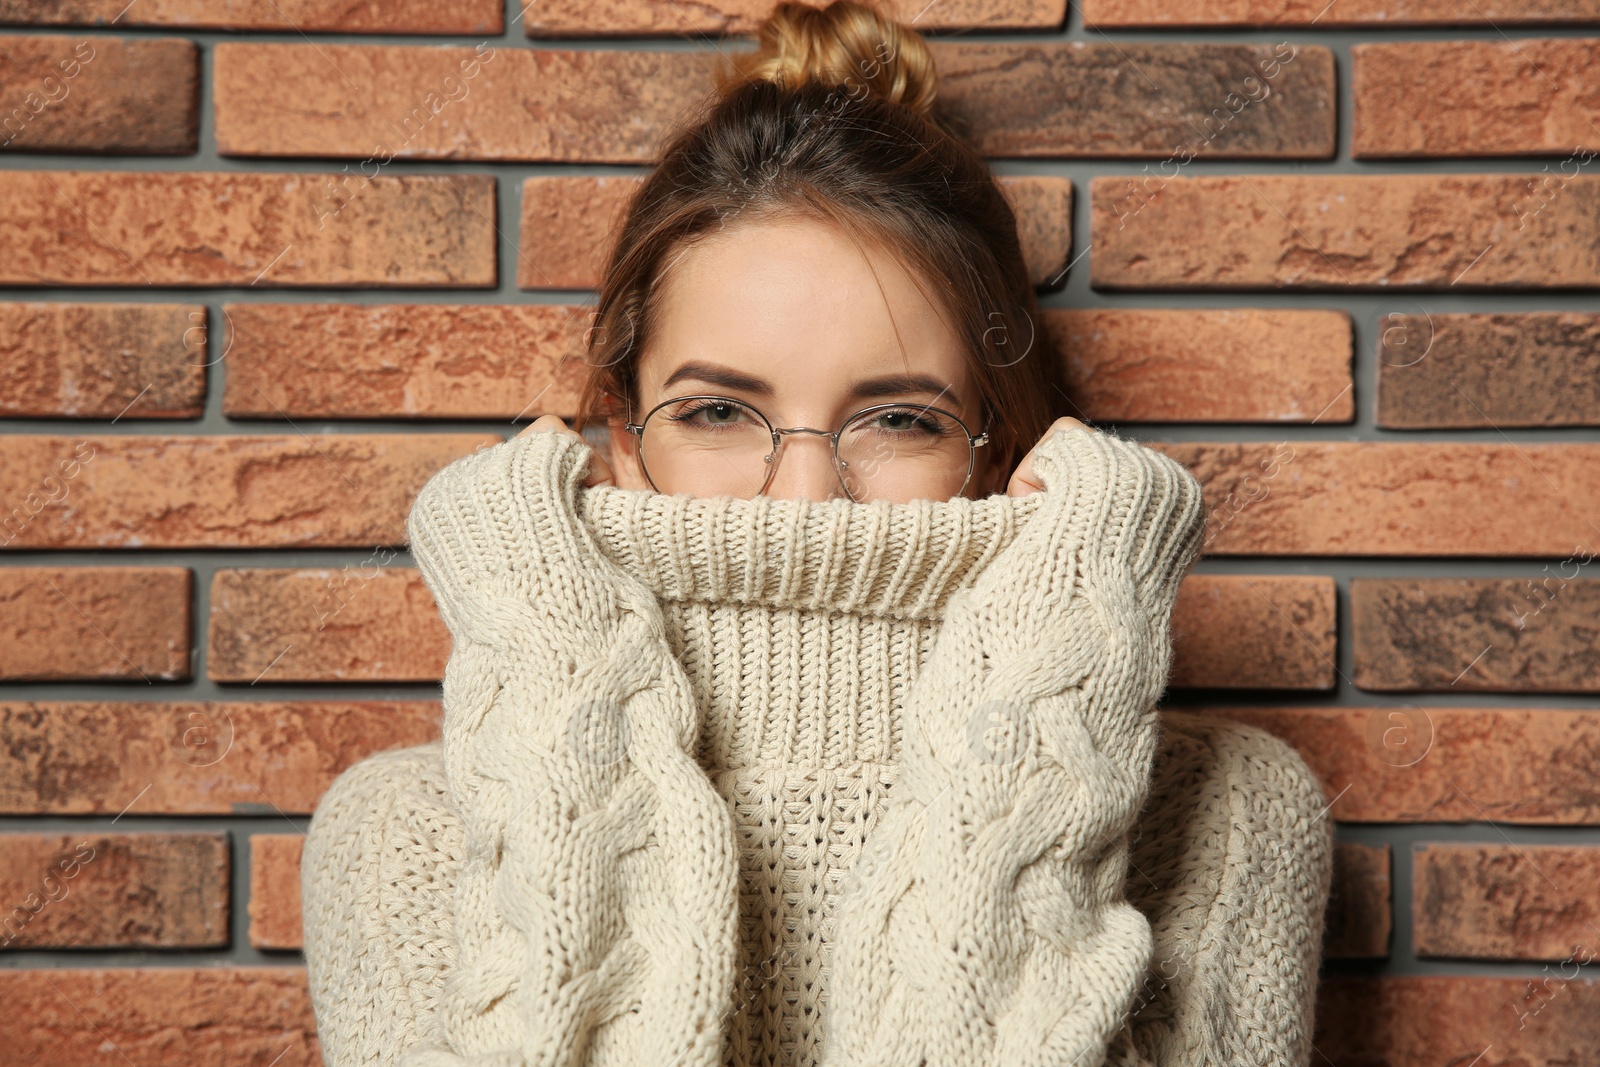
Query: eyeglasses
x=718 y=446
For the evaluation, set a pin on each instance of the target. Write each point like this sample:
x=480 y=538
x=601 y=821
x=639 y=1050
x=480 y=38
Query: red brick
x=275 y=890
x=464 y=361
x=295 y=16
x=600 y=18
x=1487 y=15
x=483 y=102
x=499 y=361
x=133 y=361
x=1239 y=631
x=1195 y=365
x=236 y=229
x=1360 y=913
x=1506 y=902
x=569 y=226
x=200 y=491
x=1421 y=99
x=1230 y=101
x=1435 y=1020
x=1488 y=371
x=1501 y=635
x=1078 y=100
x=1382 y=498
x=98 y=890
x=185 y=758
x=158 y=1017
x=1343 y=231
x=1406 y=764
x=1043 y=208
x=363 y=623
x=94 y=623
x=100 y=94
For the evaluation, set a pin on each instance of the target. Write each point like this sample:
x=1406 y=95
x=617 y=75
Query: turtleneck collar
x=884 y=559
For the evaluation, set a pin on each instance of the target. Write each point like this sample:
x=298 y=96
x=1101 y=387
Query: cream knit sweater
x=784 y=782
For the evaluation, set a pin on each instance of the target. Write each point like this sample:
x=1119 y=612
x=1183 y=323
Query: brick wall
x=264 y=267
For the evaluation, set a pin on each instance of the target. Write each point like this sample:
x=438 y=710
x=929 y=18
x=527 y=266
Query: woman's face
x=792 y=317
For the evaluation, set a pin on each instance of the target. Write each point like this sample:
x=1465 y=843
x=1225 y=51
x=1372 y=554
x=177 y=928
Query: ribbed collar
x=896 y=560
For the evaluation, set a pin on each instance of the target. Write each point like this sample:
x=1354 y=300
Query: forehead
x=799 y=302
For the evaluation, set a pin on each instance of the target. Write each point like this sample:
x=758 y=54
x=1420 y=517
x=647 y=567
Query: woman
x=818 y=726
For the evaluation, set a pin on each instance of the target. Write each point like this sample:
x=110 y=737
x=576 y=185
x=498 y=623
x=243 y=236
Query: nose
x=805 y=469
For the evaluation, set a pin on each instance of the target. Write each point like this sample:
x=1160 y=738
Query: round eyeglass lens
x=904 y=453
x=706 y=447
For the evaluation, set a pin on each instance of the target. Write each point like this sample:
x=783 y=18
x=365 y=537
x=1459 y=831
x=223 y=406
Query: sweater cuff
x=496 y=535
x=1138 y=514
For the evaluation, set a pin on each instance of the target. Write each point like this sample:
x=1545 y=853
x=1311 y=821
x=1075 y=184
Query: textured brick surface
x=1234 y=101
x=1536 y=368
x=134 y=361
x=363 y=623
x=121 y=890
x=1343 y=231
x=1381 y=498
x=196 y=491
x=1255 y=632
x=399 y=101
x=1407 y=764
x=1230 y=365
x=1507 y=902
x=1043 y=208
x=275 y=890
x=500 y=361
x=423 y=360
x=304 y=16
x=1084 y=99
x=1433 y=1021
x=1360 y=915
x=173 y=1016
x=1320 y=14
x=1494 y=97
x=570 y=18
x=1502 y=635
x=236 y=229
x=94 y=623
x=569 y=226
x=192 y=758
x=99 y=94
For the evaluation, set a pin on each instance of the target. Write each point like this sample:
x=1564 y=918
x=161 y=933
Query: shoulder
x=384 y=781
x=1237 y=797
x=377 y=875
x=1231 y=861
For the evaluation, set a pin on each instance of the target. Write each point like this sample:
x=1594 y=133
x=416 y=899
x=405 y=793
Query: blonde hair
x=847 y=43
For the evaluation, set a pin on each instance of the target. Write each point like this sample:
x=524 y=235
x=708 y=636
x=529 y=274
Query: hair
x=835 y=117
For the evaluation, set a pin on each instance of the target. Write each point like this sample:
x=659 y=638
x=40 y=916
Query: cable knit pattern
x=722 y=770
x=990 y=926
x=599 y=885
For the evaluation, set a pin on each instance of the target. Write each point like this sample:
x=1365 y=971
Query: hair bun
x=847 y=43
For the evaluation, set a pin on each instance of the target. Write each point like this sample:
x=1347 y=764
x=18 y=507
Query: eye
x=711 y=414
x=908 y=421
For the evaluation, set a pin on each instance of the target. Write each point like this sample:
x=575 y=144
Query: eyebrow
x=865 y=389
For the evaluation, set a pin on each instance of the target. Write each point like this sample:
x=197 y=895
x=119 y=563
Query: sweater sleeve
x=596 y=901
x=989 y=923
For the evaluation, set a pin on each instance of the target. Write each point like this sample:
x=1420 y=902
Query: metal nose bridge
x=805 y=429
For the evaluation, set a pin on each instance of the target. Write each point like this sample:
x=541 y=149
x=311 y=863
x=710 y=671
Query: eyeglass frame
x=973 y=442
